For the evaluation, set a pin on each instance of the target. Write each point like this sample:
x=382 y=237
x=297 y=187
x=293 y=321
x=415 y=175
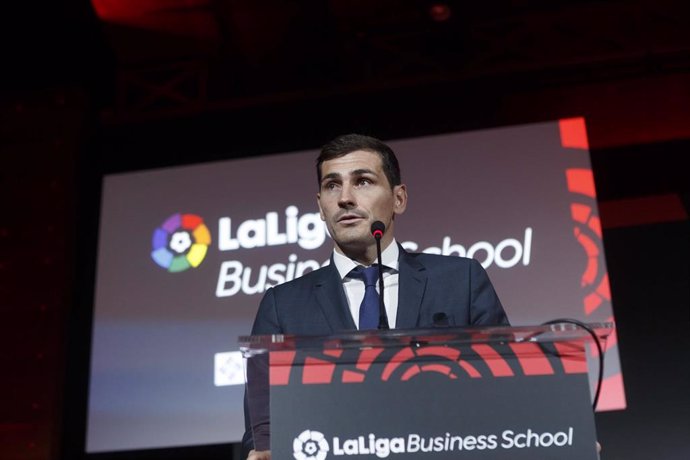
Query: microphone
x=377 y=229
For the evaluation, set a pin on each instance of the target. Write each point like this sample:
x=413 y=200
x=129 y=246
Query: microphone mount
x=377 y=229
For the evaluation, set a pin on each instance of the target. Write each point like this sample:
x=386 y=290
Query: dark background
x=95 y=87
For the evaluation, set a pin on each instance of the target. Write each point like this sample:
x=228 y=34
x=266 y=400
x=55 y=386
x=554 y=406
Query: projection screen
x=186 y=252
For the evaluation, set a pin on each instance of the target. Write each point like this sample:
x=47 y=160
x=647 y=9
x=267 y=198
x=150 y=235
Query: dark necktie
x=369 y=308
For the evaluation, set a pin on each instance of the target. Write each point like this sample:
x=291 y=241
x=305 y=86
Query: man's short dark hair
x=348 y=143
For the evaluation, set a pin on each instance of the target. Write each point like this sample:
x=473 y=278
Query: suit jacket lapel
x=411 y=291
x=331 y=298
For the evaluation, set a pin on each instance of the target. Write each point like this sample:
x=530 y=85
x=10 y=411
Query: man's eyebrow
x=356 y=172
x=333 y=175
x=359 y=172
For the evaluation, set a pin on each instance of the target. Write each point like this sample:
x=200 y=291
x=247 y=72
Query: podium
x=470 y=393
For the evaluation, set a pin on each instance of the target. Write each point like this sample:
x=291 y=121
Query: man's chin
x=354 y=240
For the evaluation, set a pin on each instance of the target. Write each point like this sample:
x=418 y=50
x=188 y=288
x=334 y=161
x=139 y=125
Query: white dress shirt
x=354 y=287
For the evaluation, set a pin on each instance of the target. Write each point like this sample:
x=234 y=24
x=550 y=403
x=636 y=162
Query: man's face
x=354 y=192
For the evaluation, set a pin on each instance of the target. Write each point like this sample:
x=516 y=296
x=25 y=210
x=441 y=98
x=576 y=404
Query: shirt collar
x=345 y=265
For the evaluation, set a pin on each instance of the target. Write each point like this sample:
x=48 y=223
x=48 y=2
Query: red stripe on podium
x=411 y=372
x=352 y=377
x=440 y=369
x=532 y=359
x=335 y=352
x=450 y=353
x=317 y=371
x=280 y=366
x=471 y=371
x=400 y=357
x=366 y=357
x=497 y=365
x=573 y=357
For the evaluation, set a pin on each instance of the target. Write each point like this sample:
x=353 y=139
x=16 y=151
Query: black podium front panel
x=501 y=401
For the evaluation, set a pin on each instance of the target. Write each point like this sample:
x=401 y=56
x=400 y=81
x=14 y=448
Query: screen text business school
x=309 y=232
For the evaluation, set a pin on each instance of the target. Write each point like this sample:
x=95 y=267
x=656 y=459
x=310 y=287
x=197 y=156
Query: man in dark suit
x=359 y=183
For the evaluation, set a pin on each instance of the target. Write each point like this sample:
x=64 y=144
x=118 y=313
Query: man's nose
x=346 y=198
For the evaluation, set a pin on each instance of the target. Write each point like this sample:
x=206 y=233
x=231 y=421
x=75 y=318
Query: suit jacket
x=430 y=286
x=456 y=289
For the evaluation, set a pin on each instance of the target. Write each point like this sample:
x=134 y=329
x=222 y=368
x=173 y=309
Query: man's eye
x=330 y=186
x=363 y=181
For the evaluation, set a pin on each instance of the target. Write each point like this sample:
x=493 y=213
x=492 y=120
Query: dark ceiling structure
x=181 y=56
x=160 y=58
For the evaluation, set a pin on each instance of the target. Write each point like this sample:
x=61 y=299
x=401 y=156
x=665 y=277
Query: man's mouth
x=349 y=218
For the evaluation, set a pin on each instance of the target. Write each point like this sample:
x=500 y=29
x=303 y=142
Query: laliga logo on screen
x=180 y=242
x=310 y=445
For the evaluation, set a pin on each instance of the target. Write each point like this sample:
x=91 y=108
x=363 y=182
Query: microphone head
x=377 y=229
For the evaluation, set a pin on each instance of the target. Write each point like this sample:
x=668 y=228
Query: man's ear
x=318 y=202
x=400 y=197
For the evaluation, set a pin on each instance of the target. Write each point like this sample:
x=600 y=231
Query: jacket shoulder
x=431 y=261
x=311 y=278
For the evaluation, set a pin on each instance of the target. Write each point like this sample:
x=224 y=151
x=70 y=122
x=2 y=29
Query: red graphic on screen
x=594 y=281
x=573 y=133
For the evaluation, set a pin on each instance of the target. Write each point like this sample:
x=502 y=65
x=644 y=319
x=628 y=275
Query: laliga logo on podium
x=310 y=445
x=180 y=242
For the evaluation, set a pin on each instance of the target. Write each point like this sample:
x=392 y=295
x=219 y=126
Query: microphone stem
x=383 y=317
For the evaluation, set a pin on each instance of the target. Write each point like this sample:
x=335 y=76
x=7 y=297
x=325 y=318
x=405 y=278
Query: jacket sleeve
x=256 y=396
